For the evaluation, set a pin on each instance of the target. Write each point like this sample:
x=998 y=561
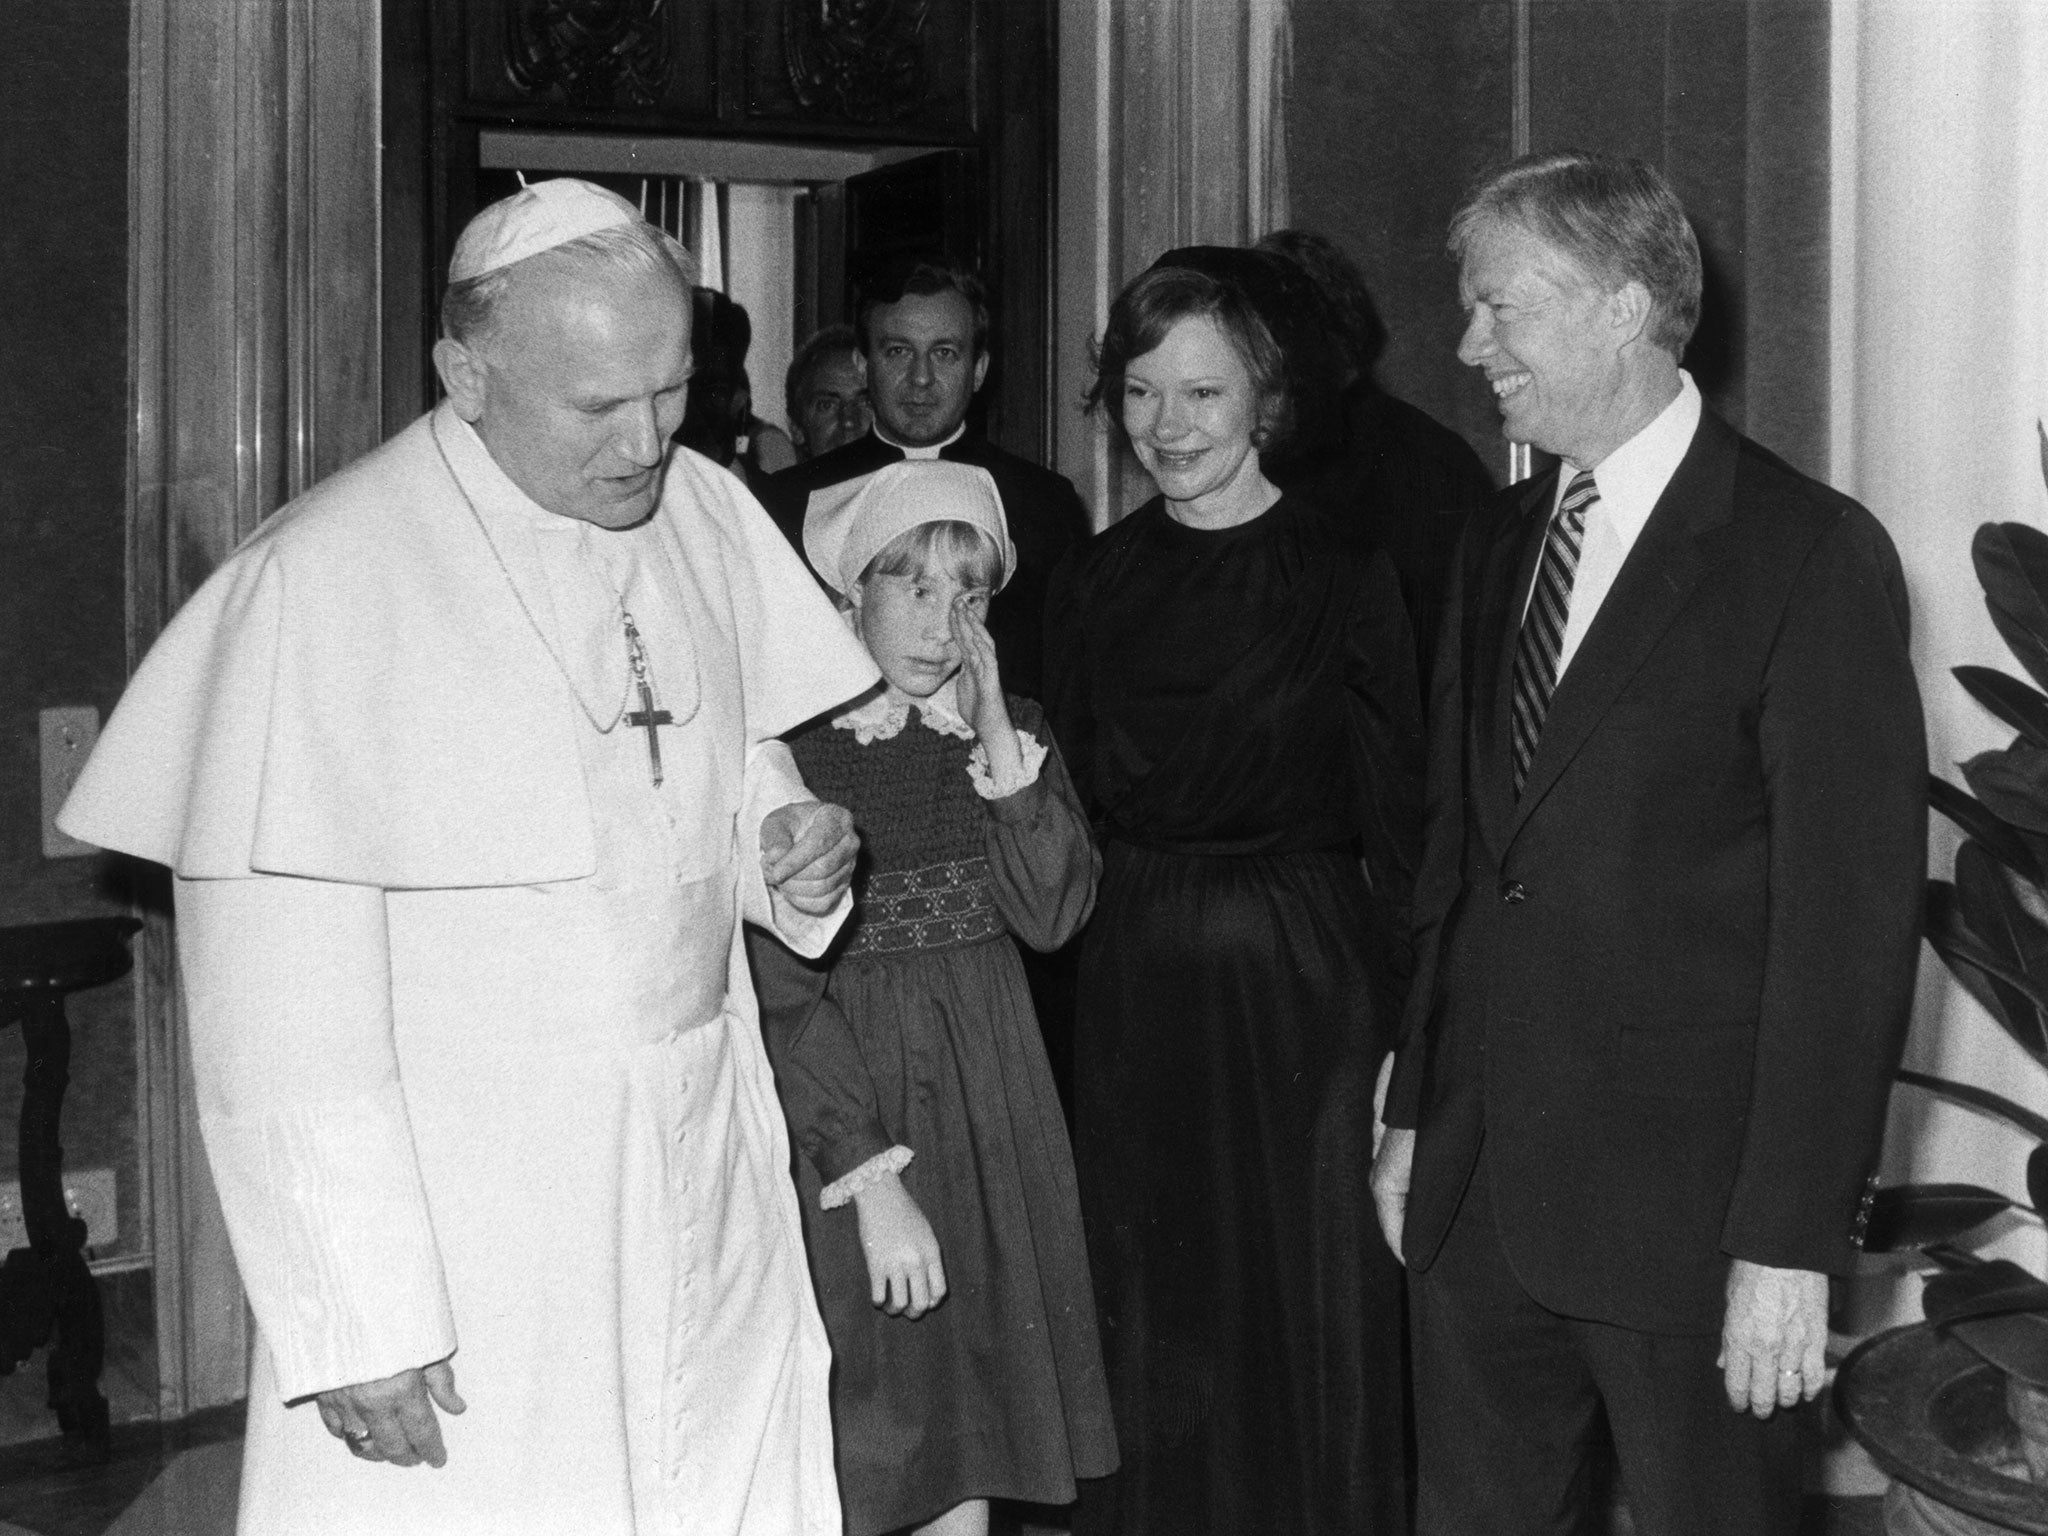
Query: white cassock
x=476 y=1050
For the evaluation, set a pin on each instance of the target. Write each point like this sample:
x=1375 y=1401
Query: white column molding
x=253 y=343
x=1171 y=133
x=1938 y=373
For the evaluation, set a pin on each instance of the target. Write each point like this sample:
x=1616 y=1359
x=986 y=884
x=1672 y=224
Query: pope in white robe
x=466 y=767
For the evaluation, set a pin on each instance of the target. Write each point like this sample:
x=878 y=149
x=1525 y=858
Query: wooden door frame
x=253 y=343
x=431 y=138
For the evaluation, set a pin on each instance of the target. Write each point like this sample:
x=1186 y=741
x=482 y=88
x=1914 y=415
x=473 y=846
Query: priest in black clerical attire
x=922 y=334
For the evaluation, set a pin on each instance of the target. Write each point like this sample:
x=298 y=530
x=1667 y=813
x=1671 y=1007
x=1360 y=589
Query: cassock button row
x=1513 y=892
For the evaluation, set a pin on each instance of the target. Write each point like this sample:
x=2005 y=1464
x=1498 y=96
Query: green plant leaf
x=1980 y=1098
x=2012 y=567
x=2024 y=709
x=1917 y=1215
x=2015 y=1342
x=1995 y=1286
x=2037 y=1180
x=1994 y=979
x=1991 y=912
x=2013 y=782
x=1950 y=1257
x=1999 y=838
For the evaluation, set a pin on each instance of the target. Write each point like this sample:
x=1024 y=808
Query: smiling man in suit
x=1668 y=914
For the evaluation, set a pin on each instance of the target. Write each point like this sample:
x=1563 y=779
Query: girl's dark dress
x=1239 y=708
x=921 y=1035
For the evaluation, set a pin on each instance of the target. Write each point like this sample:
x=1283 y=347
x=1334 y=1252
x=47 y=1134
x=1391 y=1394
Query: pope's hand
x=807 y=854
x=393 y=1419
x=1774 y=1337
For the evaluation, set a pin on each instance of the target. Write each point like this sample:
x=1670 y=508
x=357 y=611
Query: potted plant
x=1956 y=1407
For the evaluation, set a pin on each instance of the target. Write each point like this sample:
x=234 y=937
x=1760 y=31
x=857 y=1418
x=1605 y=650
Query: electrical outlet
x=68 y=735
x=88 y=1193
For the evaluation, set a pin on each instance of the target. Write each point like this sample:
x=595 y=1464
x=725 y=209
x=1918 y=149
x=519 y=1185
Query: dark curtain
x=1395 y=104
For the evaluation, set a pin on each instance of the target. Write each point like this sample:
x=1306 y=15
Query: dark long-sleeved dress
x=919 y=1034
x=1239 y=708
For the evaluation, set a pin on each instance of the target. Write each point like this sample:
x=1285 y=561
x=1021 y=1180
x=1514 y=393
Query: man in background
x=923 y=336
x=466 y=768
x=824 y=393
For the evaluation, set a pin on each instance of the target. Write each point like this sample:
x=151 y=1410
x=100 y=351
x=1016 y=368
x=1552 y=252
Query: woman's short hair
x=1361 y=334
x=942 y=546
x=1157 y=300
x=470 y=309
x=1614 y=218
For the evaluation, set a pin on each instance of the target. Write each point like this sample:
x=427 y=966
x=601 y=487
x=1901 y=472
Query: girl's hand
x=980 y=687
x=905 y=1273
x=981 y=695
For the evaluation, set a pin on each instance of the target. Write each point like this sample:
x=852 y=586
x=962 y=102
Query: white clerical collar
x=928 y=451
x=568 y=576
x=1633 y=476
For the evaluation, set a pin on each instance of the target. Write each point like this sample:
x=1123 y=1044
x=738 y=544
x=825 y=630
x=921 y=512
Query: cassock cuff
x=870 y=1173
x=994 y=789
x=773 y=781
x=331 y=1232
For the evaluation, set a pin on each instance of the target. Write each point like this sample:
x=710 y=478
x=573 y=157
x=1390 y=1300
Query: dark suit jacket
x=1045 y=516
x=1662 y=994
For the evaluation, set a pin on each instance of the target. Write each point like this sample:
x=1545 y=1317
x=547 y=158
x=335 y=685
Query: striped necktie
x=1542 y=639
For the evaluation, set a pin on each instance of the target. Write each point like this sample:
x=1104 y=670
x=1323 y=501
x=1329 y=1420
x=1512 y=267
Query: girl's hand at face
x=981 y=686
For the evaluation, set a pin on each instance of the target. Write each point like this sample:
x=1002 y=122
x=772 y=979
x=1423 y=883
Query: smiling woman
x=1233 y=684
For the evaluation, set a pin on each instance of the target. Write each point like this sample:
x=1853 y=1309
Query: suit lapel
x=1504 y=587
x=1654 y=583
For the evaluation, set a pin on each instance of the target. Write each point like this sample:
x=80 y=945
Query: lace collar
x=884 y=715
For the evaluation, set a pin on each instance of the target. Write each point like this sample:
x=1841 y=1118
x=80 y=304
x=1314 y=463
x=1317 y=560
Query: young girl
x=936 y=1181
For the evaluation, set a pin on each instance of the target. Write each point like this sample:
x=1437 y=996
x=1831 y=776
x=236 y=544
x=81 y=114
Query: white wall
x=1939 y=372
x=1171 y=132
x=761 y=237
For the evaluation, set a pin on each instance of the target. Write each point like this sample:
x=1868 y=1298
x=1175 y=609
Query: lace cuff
x=985 y=783
x=843 y=1189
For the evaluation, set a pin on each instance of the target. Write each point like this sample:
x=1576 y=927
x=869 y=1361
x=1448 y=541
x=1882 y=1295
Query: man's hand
x=905 y=1271
x=807 y=854
x=1774 y=1337
x=393 y=1419
x=1391 y=1168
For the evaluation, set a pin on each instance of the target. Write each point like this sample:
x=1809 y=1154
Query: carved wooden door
x=927 y=207
x=967 y=79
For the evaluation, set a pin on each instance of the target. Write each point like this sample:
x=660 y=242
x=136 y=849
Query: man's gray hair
x=469 y=309
x=1614 y=218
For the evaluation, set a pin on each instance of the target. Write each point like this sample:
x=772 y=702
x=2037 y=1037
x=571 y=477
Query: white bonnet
x=843 y=532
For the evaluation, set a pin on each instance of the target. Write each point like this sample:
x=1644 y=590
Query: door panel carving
x=591 y=53
x=897 y=64
x=575 y=58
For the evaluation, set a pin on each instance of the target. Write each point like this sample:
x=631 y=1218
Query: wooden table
x=47 y=1295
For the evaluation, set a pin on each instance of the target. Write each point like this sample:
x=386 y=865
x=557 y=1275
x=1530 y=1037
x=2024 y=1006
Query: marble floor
x=175 y=1480
x=181 y=1481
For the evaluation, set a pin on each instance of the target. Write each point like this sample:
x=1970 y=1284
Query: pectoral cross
x=646 y=716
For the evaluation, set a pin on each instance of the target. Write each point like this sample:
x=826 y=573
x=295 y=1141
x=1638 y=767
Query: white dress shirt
x=1630 y=480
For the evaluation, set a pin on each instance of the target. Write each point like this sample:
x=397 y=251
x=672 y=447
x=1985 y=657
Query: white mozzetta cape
x=476 y=1051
